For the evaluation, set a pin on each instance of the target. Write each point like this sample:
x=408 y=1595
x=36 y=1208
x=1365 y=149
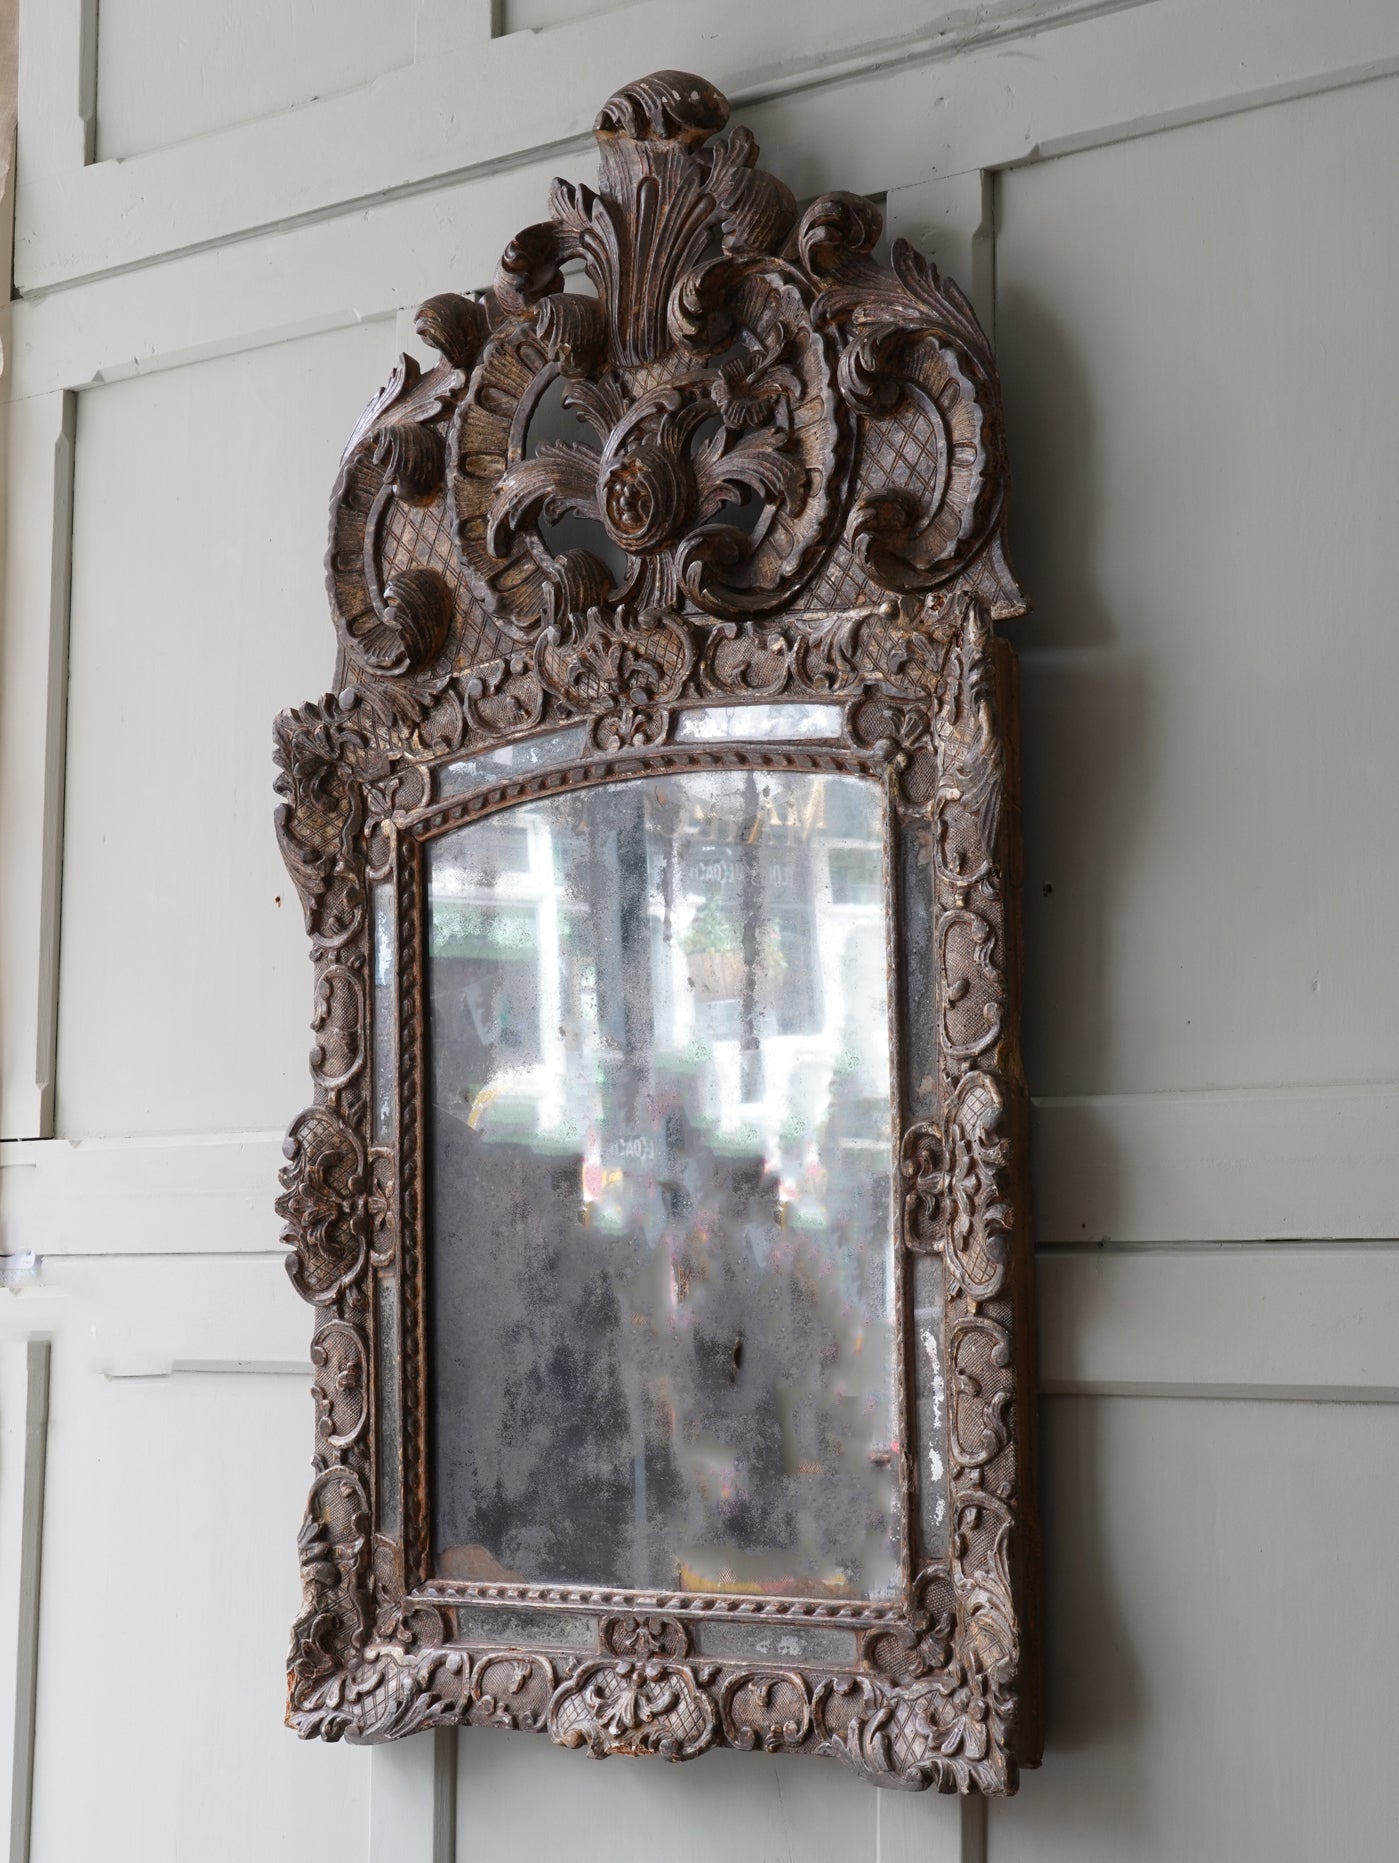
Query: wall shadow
x=1088 y=728
x=1088 y=732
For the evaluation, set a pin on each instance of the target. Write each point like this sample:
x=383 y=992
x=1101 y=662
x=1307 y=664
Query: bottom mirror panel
x=662 y=1190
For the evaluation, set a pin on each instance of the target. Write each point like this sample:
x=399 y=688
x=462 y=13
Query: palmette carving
x=795 y=455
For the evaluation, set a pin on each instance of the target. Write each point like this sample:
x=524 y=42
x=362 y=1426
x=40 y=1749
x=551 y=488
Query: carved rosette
x=788 y=482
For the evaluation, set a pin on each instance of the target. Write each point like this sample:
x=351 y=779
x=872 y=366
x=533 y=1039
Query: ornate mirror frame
x=736 y=358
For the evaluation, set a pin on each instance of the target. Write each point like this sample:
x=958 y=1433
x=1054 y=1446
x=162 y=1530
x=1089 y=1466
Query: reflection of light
x=592 y=1176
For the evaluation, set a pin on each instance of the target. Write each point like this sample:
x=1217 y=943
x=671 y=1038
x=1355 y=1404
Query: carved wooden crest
x=787 y=484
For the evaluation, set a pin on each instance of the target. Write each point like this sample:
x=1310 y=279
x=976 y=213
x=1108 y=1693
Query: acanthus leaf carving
x=916 y=365
x=682 y=431
x=955 y=1201
x=621 y=667
x=328 y=1635
x=634 y=1706
x=318 y=816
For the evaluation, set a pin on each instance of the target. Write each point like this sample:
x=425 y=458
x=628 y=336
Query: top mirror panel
x=709 y=724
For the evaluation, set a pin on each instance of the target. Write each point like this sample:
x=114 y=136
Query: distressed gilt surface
x=732 y=355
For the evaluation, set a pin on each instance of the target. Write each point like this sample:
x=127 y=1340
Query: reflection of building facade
x=660 y=1043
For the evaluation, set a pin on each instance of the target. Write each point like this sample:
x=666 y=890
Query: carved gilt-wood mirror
x=661 y=1202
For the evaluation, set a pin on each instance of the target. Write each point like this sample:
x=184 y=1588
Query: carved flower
x=646 y=497
x=644 y=1638
x=379 y=1208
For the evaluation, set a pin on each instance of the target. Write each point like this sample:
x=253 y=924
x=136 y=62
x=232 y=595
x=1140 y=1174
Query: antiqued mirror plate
x=661 y=1196
x=662 y=1189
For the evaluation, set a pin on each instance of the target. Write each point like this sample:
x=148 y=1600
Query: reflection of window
x=857 y=876
x=485 y=950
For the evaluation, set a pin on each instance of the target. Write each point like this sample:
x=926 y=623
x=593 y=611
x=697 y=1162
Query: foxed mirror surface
x=660 y=1146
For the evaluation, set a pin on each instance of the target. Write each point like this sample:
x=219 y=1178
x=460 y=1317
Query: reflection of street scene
x=661 y=1157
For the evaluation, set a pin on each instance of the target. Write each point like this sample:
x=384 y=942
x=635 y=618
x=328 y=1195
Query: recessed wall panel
x=1195 y=332
x=198 y=610
x=168 y=70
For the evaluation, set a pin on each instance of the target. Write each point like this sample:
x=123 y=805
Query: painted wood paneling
x=764 y=1807
x=24 y=1436
x=1240 y=1165
x=1296 y=1166
x=469 y=101
x=197 y=612
x=168 y=72
x=1222 y=1635
x=1265 y=1320
x=1195 y=332
x=539 y=15
x=169 y=1580
x=149 y=1196
x=14 y=1382
x=36 y=459
x=908 y=89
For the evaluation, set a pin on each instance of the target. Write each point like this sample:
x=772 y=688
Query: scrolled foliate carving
x=512 y=1691
x=763 y=413
x=956 y=1201
x=318 y=817
x=331 y=1628
x=785 y=481
x=639 y=1697
x=623 y=667
x=705 y=387
x=769 y=1710
x=917 y=366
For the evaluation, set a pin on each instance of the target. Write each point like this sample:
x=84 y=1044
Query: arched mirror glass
x=662 y=1189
